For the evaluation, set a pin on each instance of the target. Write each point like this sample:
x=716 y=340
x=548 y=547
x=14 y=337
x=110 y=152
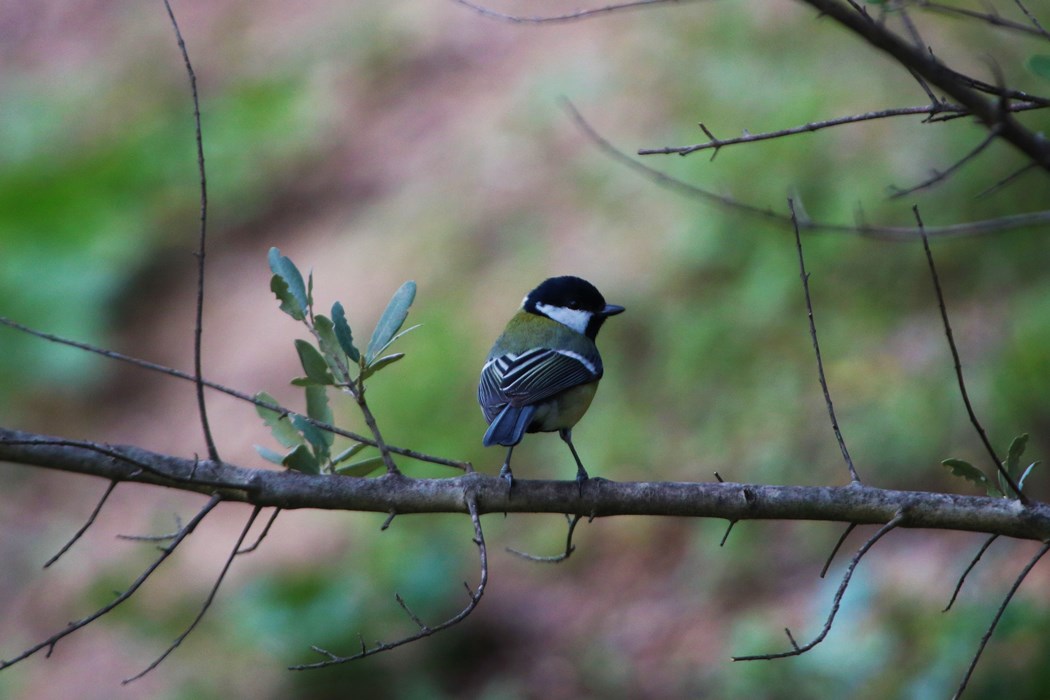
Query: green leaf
x=319 y=439
x=380 y=364
x=318 y=409
x=302 y=460
x=287 y=284
x=280 y=426
x=349 y=452
x=962 y=468
x=361 y=468
x=313 y=363
x=1020 y=482
x=269 y=455
x=1013 y=455
x=391 y=320
x=343 y=334
x=1040 y=65
x=330 y=348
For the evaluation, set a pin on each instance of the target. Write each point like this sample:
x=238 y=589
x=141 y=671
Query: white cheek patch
x=576 y=319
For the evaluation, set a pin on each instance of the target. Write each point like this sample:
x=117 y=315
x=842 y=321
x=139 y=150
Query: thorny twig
x=51 y=641
x=854 y=478
x=836 y=602
x=424 y=630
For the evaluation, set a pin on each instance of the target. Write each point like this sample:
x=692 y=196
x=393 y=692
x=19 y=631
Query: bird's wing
x=532 y=376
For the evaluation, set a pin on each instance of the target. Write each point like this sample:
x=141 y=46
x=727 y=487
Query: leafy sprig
x=331 y=361
x=1012 y=464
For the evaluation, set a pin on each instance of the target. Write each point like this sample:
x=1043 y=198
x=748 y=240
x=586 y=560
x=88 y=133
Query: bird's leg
x=581 y=473
x=505 y=473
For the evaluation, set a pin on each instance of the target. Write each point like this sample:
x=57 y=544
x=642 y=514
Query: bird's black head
x=573 y=302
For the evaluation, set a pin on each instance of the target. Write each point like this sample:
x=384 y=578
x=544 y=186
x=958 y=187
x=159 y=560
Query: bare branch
x=171 y=372
x=198 y=330
x=1031 y=18
x=998 y=616
x=941 y=176
x=207 y=602
x=424 y=629
x=83 y=528
x=894 y=233
x=567 y=17
x=558 y=558
x=973 y=562
x=959 y=88
x=50 y=642
x=958 y=367
x=988 y=18
x=717 y=143
x=262 y=535
x=836 y=602
x=854 y=478
x=835 y=550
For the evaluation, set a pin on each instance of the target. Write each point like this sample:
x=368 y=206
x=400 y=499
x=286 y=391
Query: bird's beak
x=612 y=310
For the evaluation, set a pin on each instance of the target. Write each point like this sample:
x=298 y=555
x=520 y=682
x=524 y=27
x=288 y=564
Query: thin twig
x=1031 y=18
x=837 y=601
x=885 y=232
x=854 y=478
x=50 y=642
x=207 y=602
x=988 y=191
x=725 y=535
x=83 y=528
x=262 y=535
x=958 y=365
x=178 y=374
x=942 y=175
x=567 y=17
x=835 y=550
x=998 y=615
x=988 y=18
x=808 y=128
x=198 y=331
x=557 y=558
x=973 y=562
x=424 y=630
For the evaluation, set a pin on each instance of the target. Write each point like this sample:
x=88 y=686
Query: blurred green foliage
x=432 y=138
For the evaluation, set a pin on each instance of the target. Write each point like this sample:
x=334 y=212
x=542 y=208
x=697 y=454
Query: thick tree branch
x=401 y=495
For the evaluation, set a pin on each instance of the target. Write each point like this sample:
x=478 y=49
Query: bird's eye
x=573 y=304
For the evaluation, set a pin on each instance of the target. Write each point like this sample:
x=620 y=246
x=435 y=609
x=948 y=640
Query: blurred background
x=376 y=142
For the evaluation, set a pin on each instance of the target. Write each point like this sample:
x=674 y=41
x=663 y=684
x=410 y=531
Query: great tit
x=542 y=372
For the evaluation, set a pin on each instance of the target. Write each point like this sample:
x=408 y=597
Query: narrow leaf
x=391 y=320
x=962 y=468
x=317 y=408
x=349 y=452
x=1013 y=455
x=393 y=340
x=380 y=364
x=313 y=363
x=361 y=468
x=269 y=455
x=287 y=284
x=330 y=348
x=1020 y=482
x=319 y=439
x=302 y=460
x=343 y=334
x=280 y=426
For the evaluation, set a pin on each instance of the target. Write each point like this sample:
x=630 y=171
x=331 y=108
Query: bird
x=543 y=370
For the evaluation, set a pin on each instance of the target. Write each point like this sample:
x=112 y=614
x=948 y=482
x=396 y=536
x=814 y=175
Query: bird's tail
x=509 y=426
